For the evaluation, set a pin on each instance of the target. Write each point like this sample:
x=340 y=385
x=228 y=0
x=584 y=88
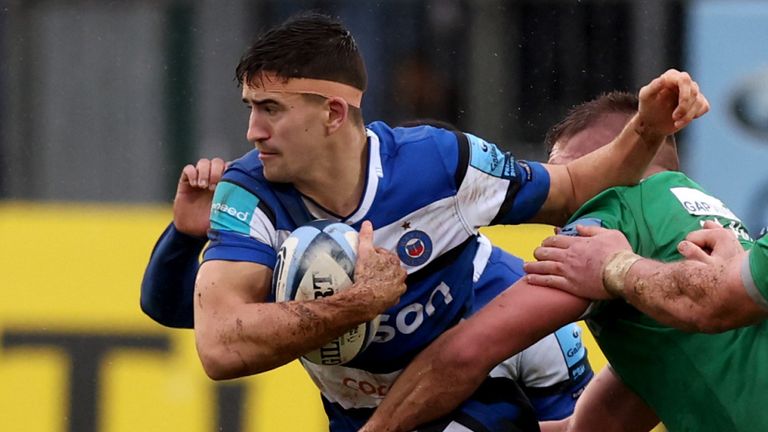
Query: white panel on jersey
x=262 y=229
x=509 y=368
x=439 y=220
x=481 y=257
x=456 y=427
x=280 y=236
x=541 y=365
x=480 y=197
x=350 y=387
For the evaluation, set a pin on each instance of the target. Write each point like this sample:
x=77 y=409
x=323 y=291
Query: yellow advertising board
x=77 y=353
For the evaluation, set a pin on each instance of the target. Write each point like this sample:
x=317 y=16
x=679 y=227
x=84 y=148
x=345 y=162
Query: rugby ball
x=318 y=260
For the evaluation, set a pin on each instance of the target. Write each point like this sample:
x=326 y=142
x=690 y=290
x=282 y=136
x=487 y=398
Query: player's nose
x=257 y=130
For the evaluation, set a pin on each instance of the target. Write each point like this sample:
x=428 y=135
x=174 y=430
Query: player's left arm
x=169 y=280
x=453 y=366
x=708 y=295
x=667 y=104
x=707 y=292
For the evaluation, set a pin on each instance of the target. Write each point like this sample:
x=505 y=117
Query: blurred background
x=105 y=101
x=102 y=103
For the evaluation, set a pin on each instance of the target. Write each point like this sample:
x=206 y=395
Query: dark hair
x=307 y=45
x=584 y=115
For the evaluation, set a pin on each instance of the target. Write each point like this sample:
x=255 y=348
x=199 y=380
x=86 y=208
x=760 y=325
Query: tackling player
x=689 y=380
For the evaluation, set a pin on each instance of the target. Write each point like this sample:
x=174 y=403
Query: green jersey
x=694 y=382
x=754 y=273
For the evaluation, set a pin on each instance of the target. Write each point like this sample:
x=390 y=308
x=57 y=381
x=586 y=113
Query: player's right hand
x=194 y=194
x=710 y=244
x=576 y=264
x=378 y=274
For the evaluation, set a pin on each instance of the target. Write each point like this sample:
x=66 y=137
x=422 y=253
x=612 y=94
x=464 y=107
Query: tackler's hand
x=576 y=264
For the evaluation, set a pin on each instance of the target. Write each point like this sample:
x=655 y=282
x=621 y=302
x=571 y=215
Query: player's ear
x=338 y=113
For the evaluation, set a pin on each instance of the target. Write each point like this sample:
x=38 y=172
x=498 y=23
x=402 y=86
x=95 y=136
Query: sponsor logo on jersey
x=414 y=248
x=220 y=207
x=487 y=158
x=575 y=395
x=736 y=227
x=350 y=387
x=411 y=317
x=367 y=388
x=698 y=203
x=569 y=338
x=581 y=368
x=232 y=208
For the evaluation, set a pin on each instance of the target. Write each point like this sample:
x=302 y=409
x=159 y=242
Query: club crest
x=414 y=248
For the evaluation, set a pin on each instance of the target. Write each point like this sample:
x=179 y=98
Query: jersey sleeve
x=555 y=371
x=754 y=272
x=552 y=373
x=169 y=279
x=495 y=188
x=606 y=211
x=242 y=225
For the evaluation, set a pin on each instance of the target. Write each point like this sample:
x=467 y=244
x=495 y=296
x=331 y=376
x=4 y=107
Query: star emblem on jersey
x=414 y=248
x=406 y=225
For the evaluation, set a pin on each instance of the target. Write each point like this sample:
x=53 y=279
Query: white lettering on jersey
x=737 y=228
x=411 y=317
x=698 y=203
x=241 y=215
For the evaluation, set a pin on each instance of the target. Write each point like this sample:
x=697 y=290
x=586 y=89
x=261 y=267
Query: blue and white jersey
x=427 y=193
x=554 y=371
